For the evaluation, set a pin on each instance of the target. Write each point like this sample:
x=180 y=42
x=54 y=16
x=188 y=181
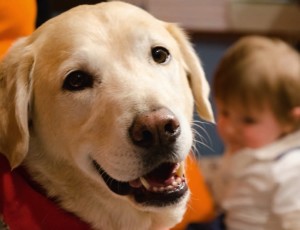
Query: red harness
x=23 y=207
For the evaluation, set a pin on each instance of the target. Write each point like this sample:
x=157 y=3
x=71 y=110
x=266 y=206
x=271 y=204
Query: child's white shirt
x=260 y=189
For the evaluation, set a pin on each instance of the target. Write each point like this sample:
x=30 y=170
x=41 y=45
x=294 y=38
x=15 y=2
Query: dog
x=96 y=107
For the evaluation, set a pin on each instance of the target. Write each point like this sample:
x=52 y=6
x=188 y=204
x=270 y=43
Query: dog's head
x=110 y=90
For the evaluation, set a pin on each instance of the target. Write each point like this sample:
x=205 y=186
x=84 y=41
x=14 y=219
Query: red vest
x=23 y=207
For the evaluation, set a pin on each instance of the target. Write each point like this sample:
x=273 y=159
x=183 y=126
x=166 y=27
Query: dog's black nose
x=155 y=128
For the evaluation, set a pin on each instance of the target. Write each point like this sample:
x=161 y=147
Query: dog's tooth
x=174 y=183
x=169 y=187
x=176 y=167
x=161 y=189
x=178 y=180
x=145 y=183
x=180 y=171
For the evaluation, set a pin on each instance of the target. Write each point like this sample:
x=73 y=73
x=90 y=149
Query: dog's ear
x=15 y=88
x=195 y=73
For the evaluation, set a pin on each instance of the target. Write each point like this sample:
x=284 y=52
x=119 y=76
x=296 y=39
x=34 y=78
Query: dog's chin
x=163 y=186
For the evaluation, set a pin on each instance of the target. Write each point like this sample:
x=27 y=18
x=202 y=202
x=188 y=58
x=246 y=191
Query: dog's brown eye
x=160 y=55
x=78 y=80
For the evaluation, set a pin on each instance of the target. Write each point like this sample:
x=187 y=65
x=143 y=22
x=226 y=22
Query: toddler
x=257 y=93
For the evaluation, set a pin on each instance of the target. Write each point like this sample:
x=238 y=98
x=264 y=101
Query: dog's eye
x=78 y=80
x=160 y=54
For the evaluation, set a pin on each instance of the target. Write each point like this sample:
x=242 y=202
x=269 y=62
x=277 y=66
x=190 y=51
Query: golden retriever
x=97 y=106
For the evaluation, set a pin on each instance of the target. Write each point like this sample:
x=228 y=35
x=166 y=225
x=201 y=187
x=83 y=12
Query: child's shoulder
x=293 y=153
x=287 y=165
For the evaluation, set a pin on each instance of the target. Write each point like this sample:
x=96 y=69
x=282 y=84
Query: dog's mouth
x=162 y=186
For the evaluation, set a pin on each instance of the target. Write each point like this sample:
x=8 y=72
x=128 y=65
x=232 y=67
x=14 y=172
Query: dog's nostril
x=147 y=135
x=169 y=128
x=141 y=136
x=147 y=139
x=172 y=127
x=171 y=131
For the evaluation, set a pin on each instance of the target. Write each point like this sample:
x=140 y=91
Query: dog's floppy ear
x=198 y=82
x=15 y=87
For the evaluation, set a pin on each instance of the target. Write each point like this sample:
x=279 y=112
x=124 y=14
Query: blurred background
x=213 y=25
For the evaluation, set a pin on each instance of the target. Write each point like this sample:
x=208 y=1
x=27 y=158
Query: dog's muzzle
x=155 y=133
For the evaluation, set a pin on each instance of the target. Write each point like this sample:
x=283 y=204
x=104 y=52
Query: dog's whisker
x=204 y=145
x=200 y=141
x=200 y=127
x=198 y=136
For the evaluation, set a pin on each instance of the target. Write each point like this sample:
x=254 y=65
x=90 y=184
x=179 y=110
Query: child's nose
x=230 y=129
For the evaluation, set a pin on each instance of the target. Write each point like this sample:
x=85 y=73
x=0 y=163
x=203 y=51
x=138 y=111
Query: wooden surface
x=225 y=16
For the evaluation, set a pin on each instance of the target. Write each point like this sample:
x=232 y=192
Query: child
x=257 y=93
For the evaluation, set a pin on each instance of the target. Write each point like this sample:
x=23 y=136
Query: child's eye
x=224 y=113
x=249 y=120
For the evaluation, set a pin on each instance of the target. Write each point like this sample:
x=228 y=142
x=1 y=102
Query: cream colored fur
x=54 y=133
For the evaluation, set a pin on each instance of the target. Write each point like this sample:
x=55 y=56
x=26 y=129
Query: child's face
x=240 y=129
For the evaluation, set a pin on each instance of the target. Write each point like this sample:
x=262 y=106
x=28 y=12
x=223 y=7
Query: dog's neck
x=33 y=184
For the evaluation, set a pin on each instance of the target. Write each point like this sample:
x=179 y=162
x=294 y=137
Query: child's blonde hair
x=259 y=71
